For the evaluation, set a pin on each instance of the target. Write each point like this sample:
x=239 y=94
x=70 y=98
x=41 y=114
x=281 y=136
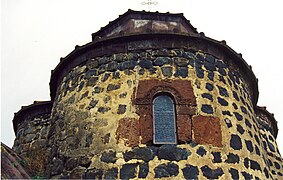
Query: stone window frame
x=159 y=94
x=185 y=105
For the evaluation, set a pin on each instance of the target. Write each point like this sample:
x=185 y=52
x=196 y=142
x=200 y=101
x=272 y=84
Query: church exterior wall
x=97 y=127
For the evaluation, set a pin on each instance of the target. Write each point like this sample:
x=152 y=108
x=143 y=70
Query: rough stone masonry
x=99 y=123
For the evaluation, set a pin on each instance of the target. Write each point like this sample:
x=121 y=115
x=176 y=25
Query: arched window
x=164 y=124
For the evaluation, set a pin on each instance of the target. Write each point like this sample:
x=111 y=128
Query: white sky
x=36 y=33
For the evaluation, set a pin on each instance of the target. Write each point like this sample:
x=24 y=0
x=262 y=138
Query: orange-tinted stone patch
x=128 y=130
x=207 y=130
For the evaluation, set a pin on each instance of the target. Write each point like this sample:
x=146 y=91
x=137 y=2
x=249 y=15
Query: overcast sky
x=36 y=33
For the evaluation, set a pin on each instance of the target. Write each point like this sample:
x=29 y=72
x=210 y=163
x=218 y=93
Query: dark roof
x=12 y=165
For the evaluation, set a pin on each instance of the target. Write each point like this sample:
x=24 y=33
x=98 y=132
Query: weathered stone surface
x=128 y=130
x=232 y=158
x=206 y=108
x=181 y=72
x=160 y=61
x=167 y=71
x=201 y=151
x=121 y=109
x=207 y=130
x=57 y=166
x=222 y=101
x=111 y=173
x=235 y=142
x=234 y=173
x=216 y=157
x=143 y=153
x=128 y=171
x=109 y=157
x=93 y=174
x=112 y=87
x=143 y=170
x=71 y=163
x=166 y=170
x=190 y=172
x=209 y=86
x=172 y=153
x=212 y=173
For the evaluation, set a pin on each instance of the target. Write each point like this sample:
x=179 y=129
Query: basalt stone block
x=228 y=122
x=228 y=113
x=84 y=161
x=277 y=166
x=167 y=71
x=238 y=116
x=128 y=171
x=199 y=72
x=247 y=122
x=209 y=66
x=172 y=153
x=93 y=174
x=249 y=145
x=103 y=109
x=209 y=86
x=235 y=106
x=257 y=150
x=90 y=73
x=160 y=61
x=143 y=170
x=216 y=157
x=92 y=104
x=240 y=129
x=212 y=173
x=223 y=91
x=235 y=142
x=255 y=165
x=142 y=153
x=108 y=157
x=112 y=66
x=166 y=170
x=222 y=71
x=116 y=75
x=105 y=77
x=271 y=147
x=181 y=72
x=57 y=166
x=103 y=60
x=207 y=96
x=181 y=62
x=190 y=172
x=221 y=78
x=112 y=87
x=247 y=175
x=89 y=140
x=244 y=110
x=97 y=90
x=71 y=163
x=92 y=81
x=111 y=173
x=206 y=108
x=234 y=173
x=81 y=86
x=210 y=75
x=232 y=158
x=201 y=151
x=121 y=109
x=147 y=64
x=222 y=101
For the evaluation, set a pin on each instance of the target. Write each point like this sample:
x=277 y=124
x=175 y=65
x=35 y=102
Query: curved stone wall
x=96 y=133
x=31 y=125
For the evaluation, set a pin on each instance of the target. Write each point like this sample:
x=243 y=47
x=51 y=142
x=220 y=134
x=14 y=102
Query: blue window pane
x=164 y=120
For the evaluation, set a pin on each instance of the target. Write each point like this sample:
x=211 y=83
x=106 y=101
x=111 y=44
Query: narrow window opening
x=164 y=131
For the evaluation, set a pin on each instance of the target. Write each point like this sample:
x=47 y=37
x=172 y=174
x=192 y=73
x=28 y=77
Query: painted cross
x=149 y=3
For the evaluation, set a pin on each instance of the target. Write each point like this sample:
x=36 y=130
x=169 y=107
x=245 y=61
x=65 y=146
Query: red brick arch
x=181 y=91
